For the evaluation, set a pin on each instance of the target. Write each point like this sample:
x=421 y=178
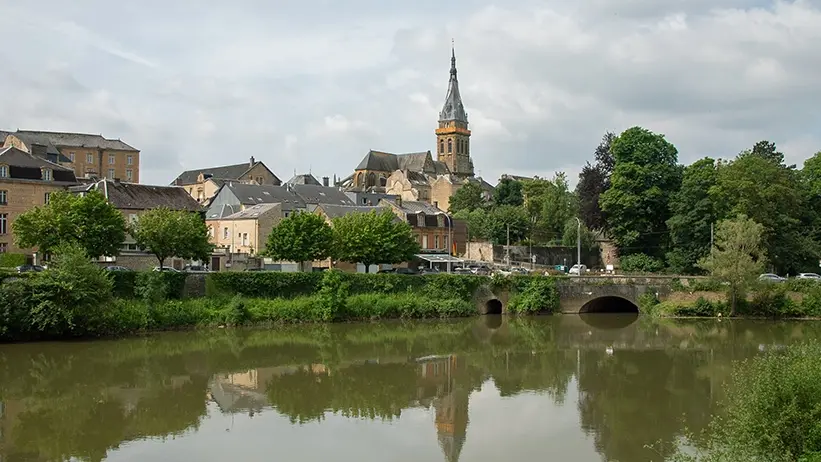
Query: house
x=202 y=184
x=88 y=155
x=235 y=197
x=133 y=199
x=245 y=231
x=314 y=195
x=307 y=178
x=26 y=181
x=431 y=226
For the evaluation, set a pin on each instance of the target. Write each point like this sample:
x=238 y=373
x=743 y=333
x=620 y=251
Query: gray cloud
x=195 y=83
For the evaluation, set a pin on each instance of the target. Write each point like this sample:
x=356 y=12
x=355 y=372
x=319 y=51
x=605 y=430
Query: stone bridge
x=590 y=294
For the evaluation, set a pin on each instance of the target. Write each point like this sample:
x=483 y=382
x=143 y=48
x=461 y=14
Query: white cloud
x=542 y=81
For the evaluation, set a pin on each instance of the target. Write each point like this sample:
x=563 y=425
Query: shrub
x=12 y=260
x=770 y=300
x=156 y=286
x=648 y=302
x=332 y=296
x=238 y=312
x=641 y=263
x=700 y=308
x=534 y=295
x=262 y=284
x=15 y=302
x=124 y=283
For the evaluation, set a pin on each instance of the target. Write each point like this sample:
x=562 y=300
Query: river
x=565 y=388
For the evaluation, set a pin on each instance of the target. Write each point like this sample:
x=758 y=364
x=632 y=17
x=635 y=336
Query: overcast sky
x=315 y=85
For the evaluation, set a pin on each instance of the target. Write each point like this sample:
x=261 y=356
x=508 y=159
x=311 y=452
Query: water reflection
x=609 y=321
x=604 y=388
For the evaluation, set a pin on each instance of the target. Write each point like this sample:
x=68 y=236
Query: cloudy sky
x=315 y=85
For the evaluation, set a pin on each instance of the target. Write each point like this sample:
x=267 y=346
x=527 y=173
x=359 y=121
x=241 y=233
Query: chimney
x=326 y=181
x=252 y=161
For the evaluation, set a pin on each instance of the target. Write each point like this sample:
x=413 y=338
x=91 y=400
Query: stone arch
x=493 y=306
x=441 y=146
x=383 y=181
x=609 y=304
x=371 y=180
x=450 y=145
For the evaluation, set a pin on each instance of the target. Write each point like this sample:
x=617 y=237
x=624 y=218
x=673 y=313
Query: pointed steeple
x=453 y=108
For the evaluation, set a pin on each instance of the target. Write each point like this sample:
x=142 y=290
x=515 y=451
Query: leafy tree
x=693 y=215
x=372 y=238
x=766 y=150
x=468 y=197
x=738 y=256
x=551 y=203
x=88 y=221
x=571 y=230
x=508 y=192
x=811 y=186
x=172 y=233
x=645 y=175
x=594 y=180
x=301 y=237
x=502 y=216
x=770 y=194
x=477 y=222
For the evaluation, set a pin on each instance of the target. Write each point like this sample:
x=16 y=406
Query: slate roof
x=313 y=194
x=79 y=140
x=252 y=194
x=26 y=166
x=134 y=196
x=251 y=213
x=453 y=108
x=225 y=172
x=305 y=178
x=387 y=162
x=334 y=211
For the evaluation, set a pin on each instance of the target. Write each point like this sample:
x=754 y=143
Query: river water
x=563 y=388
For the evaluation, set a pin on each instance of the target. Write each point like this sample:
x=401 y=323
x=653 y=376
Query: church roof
x=387 y=162
x=453 y=108
x=305 y=178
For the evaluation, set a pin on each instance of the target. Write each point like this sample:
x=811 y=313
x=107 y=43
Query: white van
x=577 y=270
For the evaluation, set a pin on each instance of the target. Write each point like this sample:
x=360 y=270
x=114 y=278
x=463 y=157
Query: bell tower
x=453 y=136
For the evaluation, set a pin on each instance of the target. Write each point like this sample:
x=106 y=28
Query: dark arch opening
x=609 y=304
x=493 y=306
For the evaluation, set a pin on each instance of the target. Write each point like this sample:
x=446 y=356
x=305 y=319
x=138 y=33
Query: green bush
x=772 y=411
x=12 y=260
x=333 y=294
x=262 y=284
x=770 y=300
x=648 y=302
x=641 y=263
x=700 y=308
x=15 y=304
x=124 y=283
x=802 y=285
x=533 y=295
x=156 y=286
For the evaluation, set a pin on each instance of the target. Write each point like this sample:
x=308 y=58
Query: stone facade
x=203 y=184
x=245 y=232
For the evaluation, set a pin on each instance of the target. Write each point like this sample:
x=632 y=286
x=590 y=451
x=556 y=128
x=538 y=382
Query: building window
x=47 y=198
x=244 y=238
x=71 y=156
x=441 y=146
x=132 y=218
x=467 y=146
x=4 y=197
x=129 y=174
x=130 y=160
x=47 y=174
x=4 y=171
x=450 y=145
x=3 y=249
x=111 y=159
x=212 y=232
x=436 y=241
x=111 y=174
x=287 y=214
x=4 y=218
x=225 y=233
x=89 y=158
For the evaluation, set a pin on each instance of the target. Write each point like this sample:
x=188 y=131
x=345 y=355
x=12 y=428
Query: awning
x=439 y=258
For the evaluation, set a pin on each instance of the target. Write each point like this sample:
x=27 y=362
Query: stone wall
x=545 y=256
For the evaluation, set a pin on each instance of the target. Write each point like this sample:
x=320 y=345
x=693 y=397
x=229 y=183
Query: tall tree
x=594 y=180
x=477 y=223
x=302 y=237
x=507 y=217
x=508 y=192
x=551 y=204
x=372 y=238
x=693 y=216
x=88 y=221
x=172 y=233
x=645 y=175
x=468 y=197
x=738 y=256
x=769 y=193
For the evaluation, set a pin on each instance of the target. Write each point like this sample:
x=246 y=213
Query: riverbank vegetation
x=75 y=298
x=771 y=412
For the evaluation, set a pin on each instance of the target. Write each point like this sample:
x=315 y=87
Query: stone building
x=26 y=181
x=417 y=176
x=202 y=184
x=88 y=155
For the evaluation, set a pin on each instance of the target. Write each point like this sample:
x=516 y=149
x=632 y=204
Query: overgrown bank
x=75 y=298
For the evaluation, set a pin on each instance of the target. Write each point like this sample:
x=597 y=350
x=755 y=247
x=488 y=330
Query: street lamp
x=579 y=245
x=450 y=237
x=533 y=225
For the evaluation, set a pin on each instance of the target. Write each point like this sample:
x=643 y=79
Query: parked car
x=808 y=276
x=195 y=269
x=462 y=270
x=578 y=270
x=504 y=271
x=481 y=270
x=770 y=277
x=29 y=269
x=166 y=269
x=519 y=270
x=116 y=268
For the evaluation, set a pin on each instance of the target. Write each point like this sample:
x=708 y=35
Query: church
x=416 y=176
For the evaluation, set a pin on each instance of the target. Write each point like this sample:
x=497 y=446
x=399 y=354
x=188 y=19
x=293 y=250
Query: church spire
x=453 y=108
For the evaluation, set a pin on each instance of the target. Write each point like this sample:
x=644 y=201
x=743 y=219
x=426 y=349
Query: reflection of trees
x=548 y=372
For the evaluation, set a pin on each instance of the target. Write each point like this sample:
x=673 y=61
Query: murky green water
x=556 y=388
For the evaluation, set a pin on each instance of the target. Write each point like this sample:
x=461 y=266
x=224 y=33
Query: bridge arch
x=609 y=304
x=493 y=306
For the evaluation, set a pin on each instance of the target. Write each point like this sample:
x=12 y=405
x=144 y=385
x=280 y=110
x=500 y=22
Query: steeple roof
x=453 y=108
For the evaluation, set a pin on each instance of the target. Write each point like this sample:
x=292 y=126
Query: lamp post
x=532 y=225
x=579 y=245
x=450 y=237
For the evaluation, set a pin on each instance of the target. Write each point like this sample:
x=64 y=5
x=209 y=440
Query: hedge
x=12 y=260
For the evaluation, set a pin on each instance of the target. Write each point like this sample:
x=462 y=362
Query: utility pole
x=712 y=239
x=507 y=248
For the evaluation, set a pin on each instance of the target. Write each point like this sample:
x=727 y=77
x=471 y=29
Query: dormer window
x=46 y=174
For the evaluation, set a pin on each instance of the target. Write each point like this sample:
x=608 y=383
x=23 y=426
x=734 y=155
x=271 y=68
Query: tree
x=570 y=234
x=508 y=192
x=88 y=221
x=507 y=215
x=737 y=257
x=172 y=233
x=301 y=237
x=766 y=150
x=645 y=176
x=551 y=203
x=372 y=238
x=769 y=193
x=594 y=180
x=693 y=216
x=468 y=197
x=477 y=223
